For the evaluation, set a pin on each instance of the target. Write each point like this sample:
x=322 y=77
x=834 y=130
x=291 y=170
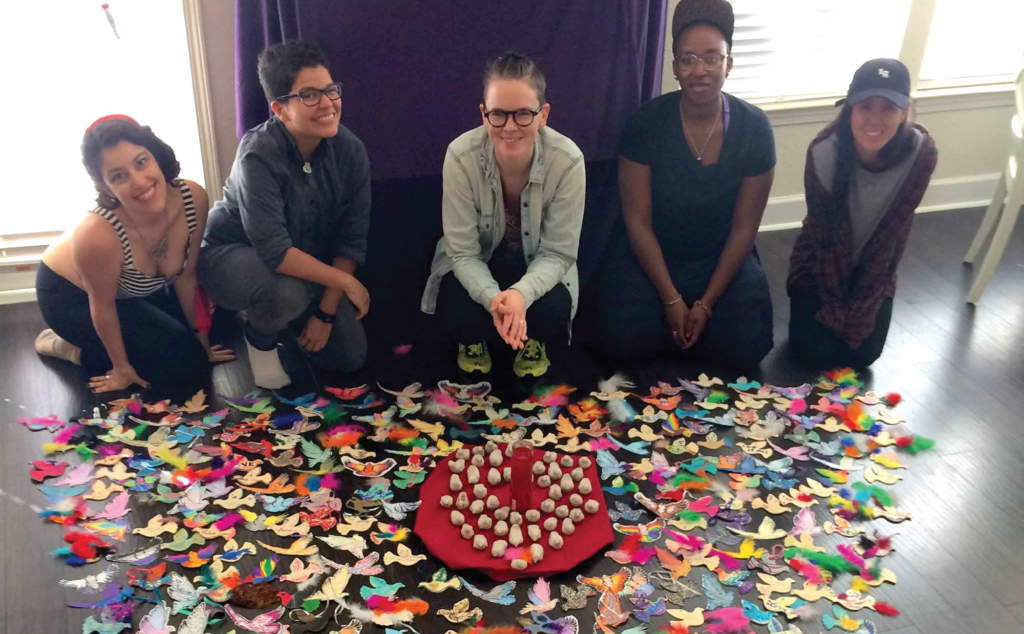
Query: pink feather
x=704 y=505
x=513 y=553
x=344 y=429
x=330 y=481
x=807 y=570
x=655 y=478
x=689 y=542
x=230 y=520
x=850 y=555
x=726 y=621
x=105 y=451
x=643 y=555
x=797 y=406
x=64 y=436
x=726 y=561
x=223 y=472
x=602 y=443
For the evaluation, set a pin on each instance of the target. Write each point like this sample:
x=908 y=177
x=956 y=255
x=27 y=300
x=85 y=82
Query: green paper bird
x=379 y=587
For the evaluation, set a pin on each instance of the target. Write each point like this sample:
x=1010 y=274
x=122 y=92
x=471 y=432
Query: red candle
x=522 y=476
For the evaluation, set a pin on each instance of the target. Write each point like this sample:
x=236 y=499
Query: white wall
x=218 y=17
x=971 y=130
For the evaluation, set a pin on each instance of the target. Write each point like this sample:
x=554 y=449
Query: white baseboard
x=18 y=296
x=961 y=192
x=782 y=212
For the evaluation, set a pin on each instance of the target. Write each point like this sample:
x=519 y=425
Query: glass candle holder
x=522 y=476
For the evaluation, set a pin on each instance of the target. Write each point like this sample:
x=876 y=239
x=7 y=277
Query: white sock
x=267 y=369
x=49 y=344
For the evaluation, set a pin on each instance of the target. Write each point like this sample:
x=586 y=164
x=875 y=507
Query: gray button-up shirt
x=273 y=200
x=473 y=214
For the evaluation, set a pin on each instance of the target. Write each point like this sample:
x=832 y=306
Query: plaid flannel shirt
x=852 y=292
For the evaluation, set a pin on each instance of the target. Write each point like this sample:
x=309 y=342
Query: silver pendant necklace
x=158 y=252
x=699 y=153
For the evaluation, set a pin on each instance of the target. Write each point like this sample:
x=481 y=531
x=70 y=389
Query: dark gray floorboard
x=960 y=562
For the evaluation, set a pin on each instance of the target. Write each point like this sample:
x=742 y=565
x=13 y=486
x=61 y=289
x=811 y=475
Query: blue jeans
x=236 y=279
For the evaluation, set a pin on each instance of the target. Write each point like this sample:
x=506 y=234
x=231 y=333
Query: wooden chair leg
x=988 y=221
x=1002 y=235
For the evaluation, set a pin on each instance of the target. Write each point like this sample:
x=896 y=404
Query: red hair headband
x=109 y=117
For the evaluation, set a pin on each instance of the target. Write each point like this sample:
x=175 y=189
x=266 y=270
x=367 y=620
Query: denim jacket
x=473 y=214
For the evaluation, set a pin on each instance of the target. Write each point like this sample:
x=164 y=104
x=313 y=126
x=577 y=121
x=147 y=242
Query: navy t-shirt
x=692 y=204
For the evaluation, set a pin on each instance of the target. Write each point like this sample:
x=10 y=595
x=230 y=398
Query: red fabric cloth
x=204 y=311
x=443 y=539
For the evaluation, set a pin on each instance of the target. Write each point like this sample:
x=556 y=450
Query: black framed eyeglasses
x=311 y=96
x=711 y=61
x=523 y=117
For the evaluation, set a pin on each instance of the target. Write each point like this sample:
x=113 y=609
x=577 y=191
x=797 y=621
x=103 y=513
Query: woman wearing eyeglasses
x=284 y=243
x=695 y=169
x=865 y=175
x=505 y=269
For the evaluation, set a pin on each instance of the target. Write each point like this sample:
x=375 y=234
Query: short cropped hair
x=279 y=65
x=513 y=65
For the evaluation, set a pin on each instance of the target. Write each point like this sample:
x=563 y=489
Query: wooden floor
x=960 y=369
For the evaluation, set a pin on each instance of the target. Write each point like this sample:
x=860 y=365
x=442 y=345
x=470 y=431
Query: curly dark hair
x=107 y=134
x=514 y=65
x=280 y=64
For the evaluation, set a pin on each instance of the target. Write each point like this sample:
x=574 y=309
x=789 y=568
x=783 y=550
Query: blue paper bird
x=306 y=400
x=755 y=614
x=638 y=447
x=610 y=465
x=500 y=594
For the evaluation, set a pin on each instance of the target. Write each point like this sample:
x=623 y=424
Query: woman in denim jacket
x=505 y=269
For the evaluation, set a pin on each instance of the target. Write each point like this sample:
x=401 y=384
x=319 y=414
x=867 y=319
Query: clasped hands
x=508 y=309
x=686 y=324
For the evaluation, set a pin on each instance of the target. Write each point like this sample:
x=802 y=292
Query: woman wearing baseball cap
x=695 y=170
x=866 y=173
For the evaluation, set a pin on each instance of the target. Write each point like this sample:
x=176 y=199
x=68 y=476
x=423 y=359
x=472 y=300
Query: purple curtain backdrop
x=412 y=74
x=412 y=69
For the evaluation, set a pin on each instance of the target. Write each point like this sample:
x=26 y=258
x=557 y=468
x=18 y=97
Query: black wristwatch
x=322 y=316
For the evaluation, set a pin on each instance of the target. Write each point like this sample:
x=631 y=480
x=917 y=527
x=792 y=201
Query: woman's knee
x=278 y=300
x=347 y=348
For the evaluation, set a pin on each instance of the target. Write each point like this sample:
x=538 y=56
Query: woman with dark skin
x=695 y=170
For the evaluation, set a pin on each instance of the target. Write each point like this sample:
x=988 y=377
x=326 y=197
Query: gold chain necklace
x=699 y=153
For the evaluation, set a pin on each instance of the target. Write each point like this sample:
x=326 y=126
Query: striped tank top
x=132 y=283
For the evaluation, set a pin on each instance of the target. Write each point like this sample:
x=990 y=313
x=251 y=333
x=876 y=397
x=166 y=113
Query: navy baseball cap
x=887 y=78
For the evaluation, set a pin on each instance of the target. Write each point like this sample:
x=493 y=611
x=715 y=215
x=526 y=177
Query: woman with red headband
x=105 y=287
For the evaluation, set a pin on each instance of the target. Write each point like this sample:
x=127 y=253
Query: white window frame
x=933 y=96
x=21 y=253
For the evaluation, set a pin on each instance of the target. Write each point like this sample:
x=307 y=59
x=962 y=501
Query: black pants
x=157 y=338
x=814 y=344
x=547 y=319
x=630 y=323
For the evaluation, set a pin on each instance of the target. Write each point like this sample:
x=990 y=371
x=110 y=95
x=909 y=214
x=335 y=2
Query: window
x=62 y=71
x=795 y=49
x=976 y=42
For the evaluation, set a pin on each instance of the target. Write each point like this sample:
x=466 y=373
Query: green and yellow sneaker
x=532 y=359
x=474 y=358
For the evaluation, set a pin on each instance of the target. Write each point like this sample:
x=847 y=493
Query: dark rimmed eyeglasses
x=523 y=117
x=311 y=96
